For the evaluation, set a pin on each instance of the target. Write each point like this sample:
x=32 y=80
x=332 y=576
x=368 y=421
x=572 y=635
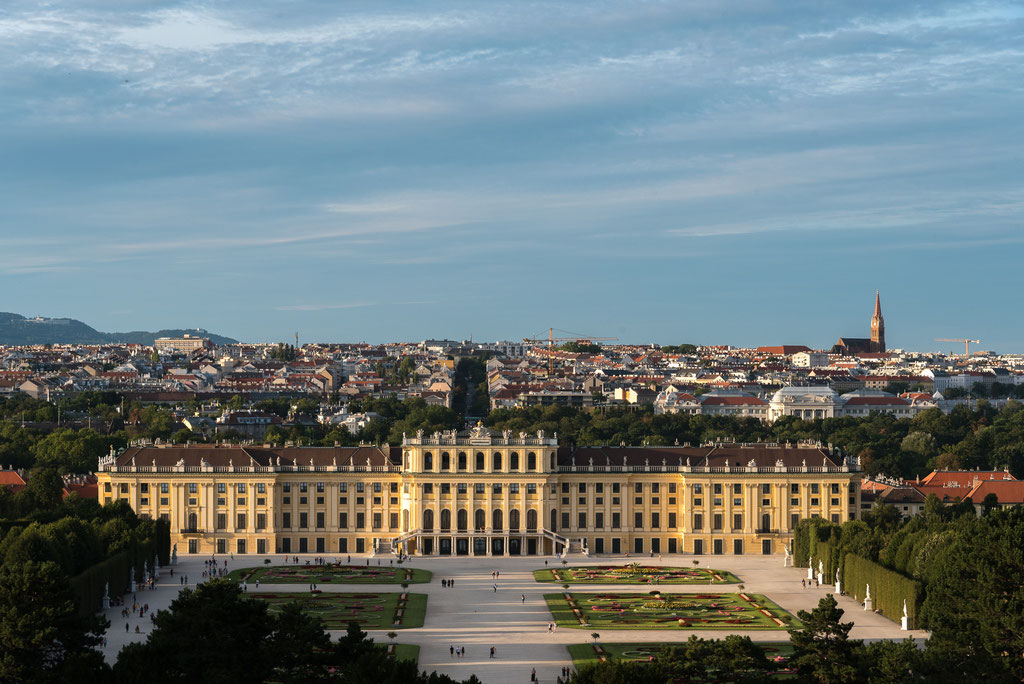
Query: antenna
x=296 y=339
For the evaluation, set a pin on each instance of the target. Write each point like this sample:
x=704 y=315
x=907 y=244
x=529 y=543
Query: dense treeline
x=971 y=569
x=980 y=438
x=960 y=574
x=57 y=558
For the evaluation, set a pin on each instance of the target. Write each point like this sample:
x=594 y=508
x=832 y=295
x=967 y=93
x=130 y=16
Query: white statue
x=905 y=614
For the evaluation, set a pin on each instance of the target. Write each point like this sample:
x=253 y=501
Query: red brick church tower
x=877 y=327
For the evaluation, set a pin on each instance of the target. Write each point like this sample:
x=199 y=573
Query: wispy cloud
x=324 y=307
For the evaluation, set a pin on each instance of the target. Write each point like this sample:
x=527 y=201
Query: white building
x=808 y=403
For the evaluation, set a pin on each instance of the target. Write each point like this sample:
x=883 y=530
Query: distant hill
x=15 y=329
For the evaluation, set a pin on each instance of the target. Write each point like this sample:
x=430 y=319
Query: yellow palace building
x=479 y=492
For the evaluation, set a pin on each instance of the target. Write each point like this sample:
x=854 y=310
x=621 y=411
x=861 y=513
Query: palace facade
x=479 y=492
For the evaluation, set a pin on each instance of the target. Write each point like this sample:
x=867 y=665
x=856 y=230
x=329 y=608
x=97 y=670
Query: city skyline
x=743 y=175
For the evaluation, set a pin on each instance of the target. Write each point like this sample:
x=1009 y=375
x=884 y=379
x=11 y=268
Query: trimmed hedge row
x=889 y=588
x=119 y=570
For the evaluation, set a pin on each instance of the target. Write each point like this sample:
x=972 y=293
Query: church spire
x=878 y=326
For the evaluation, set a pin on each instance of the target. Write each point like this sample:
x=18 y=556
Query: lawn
x=588 y=654
x=634 y=573
x=403 y=651
x=667 y=611
x=371 y=611
x=331 y=574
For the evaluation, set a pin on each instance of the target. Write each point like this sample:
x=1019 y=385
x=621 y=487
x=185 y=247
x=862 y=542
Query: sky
x=740 y=173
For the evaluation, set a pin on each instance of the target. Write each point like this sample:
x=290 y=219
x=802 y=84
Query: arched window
x=428 y=461
x=462 y=460
x=496 y=462
x=531 y=520
x=446 y=520
x=553 y=462
x=766 y=521
x=463 y=520
x=554 y=520
x=428 y=520
x=531 y=461
x=479 y=461
x=446 y=461
x=480 y=519
x=192 y=522
x=496 y=520
x=513 y=520
x=513 y=461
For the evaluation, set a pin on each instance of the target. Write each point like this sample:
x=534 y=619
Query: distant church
x=863 y=345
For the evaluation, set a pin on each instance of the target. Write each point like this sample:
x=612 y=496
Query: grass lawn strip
x=591 y=654
x=731 y=612
x=371 y=611
x=331 y=574
x=403 y=651
x=634 y=574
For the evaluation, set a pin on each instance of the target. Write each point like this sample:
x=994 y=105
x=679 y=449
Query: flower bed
x=331 y=574
x=630 y=574
x=371 y=611
x=687 y=611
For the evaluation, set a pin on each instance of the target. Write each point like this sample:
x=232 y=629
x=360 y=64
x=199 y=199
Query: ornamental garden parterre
x=332 y=574
x=668 y=611
x=371 y=611
x=635 y=574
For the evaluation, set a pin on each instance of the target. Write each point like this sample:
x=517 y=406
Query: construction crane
x=551 y=344
x=967 y=343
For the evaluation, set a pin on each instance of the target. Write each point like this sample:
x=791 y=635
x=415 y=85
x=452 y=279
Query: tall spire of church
x=877 y=326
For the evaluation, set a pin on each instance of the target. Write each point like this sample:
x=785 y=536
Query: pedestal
x=905 y=623
x=869 y=604
x=131 y=587
x=821 y=578
x=839 y=588
x=106 y=602
x=810 y=573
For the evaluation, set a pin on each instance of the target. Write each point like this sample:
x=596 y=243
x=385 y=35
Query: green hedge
x=117 y=572
x=801 y=543
x=889 y=588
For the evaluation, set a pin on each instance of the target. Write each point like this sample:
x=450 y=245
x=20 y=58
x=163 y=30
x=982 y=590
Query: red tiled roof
x=12 y=480
x=1007 y=492
x=784 y=349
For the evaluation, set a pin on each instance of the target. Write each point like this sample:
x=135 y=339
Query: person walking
x=492 y=651
x=451 y=651
x=495 y=588
x=524 y=598
x=803 y=584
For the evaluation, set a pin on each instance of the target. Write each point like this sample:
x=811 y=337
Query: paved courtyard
x=473 y=615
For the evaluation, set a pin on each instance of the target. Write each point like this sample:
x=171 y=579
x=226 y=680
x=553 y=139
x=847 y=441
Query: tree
x=975 y=601
x=211 y=633
x=920 y=443
x=42 y=636
x=822 y=649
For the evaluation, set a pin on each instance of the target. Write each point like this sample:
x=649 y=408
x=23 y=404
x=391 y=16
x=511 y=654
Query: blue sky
x=733 y=173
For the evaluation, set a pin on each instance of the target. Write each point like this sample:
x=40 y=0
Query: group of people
x=447 y=583
x=807 y=583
